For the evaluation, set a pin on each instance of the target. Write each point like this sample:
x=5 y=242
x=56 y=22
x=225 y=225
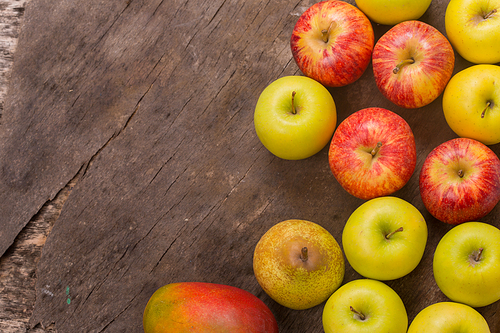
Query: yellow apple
x=449 y=317
x=471 y=103
x=365 y=306
x=391 y=12
x=298 y=263
x=473 y=28
x=295 y=117
x=385 y=238
x=465 y=264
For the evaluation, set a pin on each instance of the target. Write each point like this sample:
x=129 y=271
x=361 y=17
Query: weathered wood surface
x=17 y=266
x=146 y=108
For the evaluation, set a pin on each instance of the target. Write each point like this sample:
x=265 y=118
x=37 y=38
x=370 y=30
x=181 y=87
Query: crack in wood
x=96 y=287
x=98 y=41
x=19 y=284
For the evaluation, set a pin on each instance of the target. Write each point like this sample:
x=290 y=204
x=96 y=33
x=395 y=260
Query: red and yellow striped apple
x=460 y=181
x=412 y=63
x=372 y=153
x=332 y=42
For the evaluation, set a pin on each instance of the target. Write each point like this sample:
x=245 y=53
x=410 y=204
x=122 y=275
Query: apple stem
x=487 y=16
x=488 y=104
x=461 y=173
x=376 y=149
x=408 y=61
x=392 y=233
x=293 y=104
x=303 y=254
x=361 y=316
x=477 y=258
x=326 y=32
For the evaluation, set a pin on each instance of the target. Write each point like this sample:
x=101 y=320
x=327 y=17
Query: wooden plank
x=166 y=132
x=11 y=13
x=51 y=126
x=17 y=267
x=178 y=187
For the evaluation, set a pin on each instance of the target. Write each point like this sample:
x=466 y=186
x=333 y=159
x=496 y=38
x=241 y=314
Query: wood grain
x=17 y=266
x=138 y=116
x=11 y=13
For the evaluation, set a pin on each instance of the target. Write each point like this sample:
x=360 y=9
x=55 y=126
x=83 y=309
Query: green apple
x=391 y=12
x=365 y=306
x=295 y=117
x=473 y=28
x=298 y=263
x=466 y=264
x=471 y=103
x=448 y=317
x=385 y=238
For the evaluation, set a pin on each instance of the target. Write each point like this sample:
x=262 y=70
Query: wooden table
x=127 y=137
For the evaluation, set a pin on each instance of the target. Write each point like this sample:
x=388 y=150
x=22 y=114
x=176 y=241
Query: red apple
x=372 y=153
x=206 y=307
x=332 y=42
x=412 y=63
x=460 y=181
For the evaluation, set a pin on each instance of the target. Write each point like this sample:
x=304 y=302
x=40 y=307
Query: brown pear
x=298 y=263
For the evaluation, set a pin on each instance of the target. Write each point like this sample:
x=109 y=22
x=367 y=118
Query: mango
x=206 y=307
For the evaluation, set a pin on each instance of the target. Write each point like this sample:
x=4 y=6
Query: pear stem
x=408 y=61
x=304 y=254
x=326 y=32
x=376 y=149
x=487 y=16
x=488 y=104
x=293 y=104
x=361 y=316
x=392 y=233
x=477 y=258
x=461 y=173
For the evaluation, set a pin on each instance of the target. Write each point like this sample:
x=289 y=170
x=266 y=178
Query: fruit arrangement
x=372 y=155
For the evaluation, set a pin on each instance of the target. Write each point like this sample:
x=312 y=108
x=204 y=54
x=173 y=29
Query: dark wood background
x=127 y=137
